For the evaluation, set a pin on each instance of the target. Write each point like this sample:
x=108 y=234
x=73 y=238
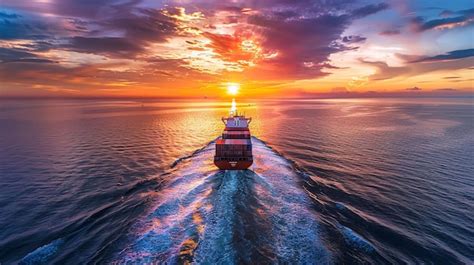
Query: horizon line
x=411 y=94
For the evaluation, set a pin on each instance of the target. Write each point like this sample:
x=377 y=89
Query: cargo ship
x=234 y=148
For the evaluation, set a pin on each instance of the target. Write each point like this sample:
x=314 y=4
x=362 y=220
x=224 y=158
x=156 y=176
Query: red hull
x=233 y=165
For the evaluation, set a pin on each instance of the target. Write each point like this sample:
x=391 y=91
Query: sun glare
x=233 y=88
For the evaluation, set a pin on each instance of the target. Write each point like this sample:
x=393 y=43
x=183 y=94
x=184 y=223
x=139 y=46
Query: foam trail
x=42 y=255
x=356 y=240
x=204 y=215
x=216 y=244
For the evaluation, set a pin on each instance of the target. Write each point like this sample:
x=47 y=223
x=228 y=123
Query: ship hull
x=233 y=165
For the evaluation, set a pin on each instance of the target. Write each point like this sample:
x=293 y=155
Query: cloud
x=17 y=55
x=384 y=71
x=143 y=25
x=446 y=13
x=97 y=76
x=445 y=22
x=302 y=43
x=227 y=46
x=87 y=8
x=413 y=88
x=446 y=62
x=34 y=27
x=452 y=55
x=71 y=8
x=133 y=42
x=12 y=28
x=462 y=18
x=390 y=32
x=110 y=46
x=5 y=15
x=339 y=90
x=353 y=39
x=369 y=10
x=446 y=89
x=288 y=39
x=279 y=38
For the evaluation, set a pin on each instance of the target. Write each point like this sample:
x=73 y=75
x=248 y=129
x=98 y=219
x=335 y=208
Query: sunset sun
x=233 y=88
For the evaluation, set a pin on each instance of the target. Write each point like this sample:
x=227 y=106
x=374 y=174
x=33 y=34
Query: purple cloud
x=369 y=10
x=110 y=46
x=452 y=55
x=353 y=39
x=18 y=55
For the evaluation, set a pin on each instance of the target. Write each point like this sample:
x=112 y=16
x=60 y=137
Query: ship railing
x=233 y=158
x=224 y=119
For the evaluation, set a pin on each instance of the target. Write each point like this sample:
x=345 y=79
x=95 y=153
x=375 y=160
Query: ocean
x=342 y=181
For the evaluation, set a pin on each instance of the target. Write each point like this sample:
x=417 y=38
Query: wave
x=205 y=215
x=356 y=240
x=44 y=254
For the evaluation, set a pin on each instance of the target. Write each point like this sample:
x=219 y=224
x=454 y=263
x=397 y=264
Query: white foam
x=356 y=240
x=42 y=255
x=195 y=214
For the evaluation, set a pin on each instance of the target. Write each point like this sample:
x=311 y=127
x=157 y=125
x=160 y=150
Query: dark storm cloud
x=453 y=55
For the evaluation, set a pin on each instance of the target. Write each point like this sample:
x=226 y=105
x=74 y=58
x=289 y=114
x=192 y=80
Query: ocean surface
x=373 y=181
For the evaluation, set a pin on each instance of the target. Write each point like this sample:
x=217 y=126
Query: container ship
x=234 y=148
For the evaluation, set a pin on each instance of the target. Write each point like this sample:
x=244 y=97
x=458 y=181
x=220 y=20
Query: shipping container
x=234 y=148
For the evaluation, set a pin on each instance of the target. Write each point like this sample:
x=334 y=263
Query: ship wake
x=204 y=215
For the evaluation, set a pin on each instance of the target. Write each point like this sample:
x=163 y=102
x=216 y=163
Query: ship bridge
x=236 y=123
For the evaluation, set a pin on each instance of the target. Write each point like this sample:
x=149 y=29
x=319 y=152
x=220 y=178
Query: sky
x=272 y=48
